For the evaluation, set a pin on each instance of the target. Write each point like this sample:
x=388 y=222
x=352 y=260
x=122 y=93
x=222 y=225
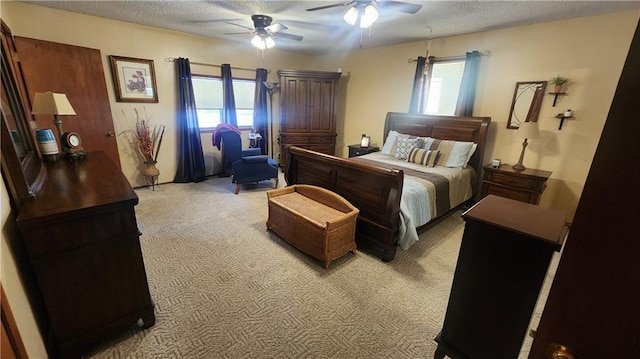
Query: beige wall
x=590 y=51
x=124 y=39
x=10 y=279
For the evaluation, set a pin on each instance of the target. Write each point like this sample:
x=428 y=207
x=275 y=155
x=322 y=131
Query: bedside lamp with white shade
x=527 y=130
x=50 y=103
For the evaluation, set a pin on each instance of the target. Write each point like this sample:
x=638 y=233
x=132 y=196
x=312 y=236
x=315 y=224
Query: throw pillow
x=389 y=147
x=404 y=146
x=423 y=157
x=452 y=153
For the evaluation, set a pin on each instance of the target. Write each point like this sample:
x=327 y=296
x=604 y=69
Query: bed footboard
x=373 y=190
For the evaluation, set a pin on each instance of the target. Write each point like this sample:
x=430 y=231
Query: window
x=444 y=87
x=208 y=95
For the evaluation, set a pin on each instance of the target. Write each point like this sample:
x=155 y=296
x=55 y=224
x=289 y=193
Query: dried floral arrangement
x=147 y=141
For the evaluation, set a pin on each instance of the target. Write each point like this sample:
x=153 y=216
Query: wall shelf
x=555 y=96
x=562 y=118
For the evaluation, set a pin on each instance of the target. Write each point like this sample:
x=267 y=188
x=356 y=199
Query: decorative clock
x=72 y=145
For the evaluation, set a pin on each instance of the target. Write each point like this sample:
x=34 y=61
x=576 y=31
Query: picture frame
x=365 y=141
x=134 y=79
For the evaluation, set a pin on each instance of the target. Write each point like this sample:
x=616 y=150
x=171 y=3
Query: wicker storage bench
x=314 y=220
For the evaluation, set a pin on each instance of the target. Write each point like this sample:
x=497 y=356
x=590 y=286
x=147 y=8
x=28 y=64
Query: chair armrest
x=255 y=159
x=251 y=152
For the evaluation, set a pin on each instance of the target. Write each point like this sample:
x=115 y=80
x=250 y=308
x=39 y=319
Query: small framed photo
x=134 y=79
x=364 y=142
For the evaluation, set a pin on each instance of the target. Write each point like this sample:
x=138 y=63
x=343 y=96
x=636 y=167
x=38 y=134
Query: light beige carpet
x=225 y=287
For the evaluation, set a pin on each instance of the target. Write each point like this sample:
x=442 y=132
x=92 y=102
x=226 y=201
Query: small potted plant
x=559 y=81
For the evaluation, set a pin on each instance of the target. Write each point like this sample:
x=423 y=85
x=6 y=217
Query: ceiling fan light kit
x=368 y=17
x=263 y=42
x=263 y=32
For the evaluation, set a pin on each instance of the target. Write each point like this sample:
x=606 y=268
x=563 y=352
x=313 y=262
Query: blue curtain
x=467 y=94
x=228 y=99
x=417 y=93
x=190 y=155
x=260 y=114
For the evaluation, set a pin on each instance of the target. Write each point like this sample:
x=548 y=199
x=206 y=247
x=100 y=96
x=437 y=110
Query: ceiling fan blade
x=399 y=6
x=330 y=6
x=213 y=21
x=287 y=36
x=239 y=33
x=242 y=26
x=277 y=27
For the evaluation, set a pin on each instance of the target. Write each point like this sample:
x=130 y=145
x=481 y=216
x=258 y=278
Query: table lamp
x=50 y=103
x=526 y=130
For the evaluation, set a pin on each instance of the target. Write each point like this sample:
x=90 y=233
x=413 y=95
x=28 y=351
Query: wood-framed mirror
x=525 y=106
x=22 y=165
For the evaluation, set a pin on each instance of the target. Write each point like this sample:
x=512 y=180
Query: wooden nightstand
x=356 y=150
x=525 y=186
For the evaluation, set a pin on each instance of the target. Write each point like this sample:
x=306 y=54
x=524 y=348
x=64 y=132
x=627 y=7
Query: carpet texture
x=226 y=287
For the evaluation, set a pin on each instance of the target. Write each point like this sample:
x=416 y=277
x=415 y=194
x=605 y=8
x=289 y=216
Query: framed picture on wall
x=134 y=79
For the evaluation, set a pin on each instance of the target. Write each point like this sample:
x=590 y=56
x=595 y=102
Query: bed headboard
x=457 y=128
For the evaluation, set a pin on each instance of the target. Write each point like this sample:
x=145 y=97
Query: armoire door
x=294 y=105
x=77 y=72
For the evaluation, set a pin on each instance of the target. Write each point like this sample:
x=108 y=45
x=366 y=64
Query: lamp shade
x=351 y=16
x=263 y=42
x=528 y=130
x=50 y=103
x=370 y=16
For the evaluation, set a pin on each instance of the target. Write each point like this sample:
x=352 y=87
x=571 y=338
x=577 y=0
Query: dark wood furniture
x=504 y=256
x=376 y=191
x=525 y=186
x=87 y=94
x=308 y=111
x=357 y=150
x=81 y=236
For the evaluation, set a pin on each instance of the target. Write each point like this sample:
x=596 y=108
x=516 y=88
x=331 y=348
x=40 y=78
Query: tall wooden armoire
x=307 y=111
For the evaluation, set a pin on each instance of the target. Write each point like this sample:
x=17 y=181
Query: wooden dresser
x=505 y=253
x=81 y=237
x=307 y=111
x=525 y=186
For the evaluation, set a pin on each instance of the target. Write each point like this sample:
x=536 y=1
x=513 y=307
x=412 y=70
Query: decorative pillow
x=423 y=157
x=389 y=147
x=452 y=153
x=404 y=146
x=473 y=150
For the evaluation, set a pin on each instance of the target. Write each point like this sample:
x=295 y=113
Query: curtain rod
x=484 y=53
x=173 y=59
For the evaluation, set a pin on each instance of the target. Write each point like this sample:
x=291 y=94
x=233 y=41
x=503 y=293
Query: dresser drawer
x=512 y=181
x=508 y=193
x=50 y=239
x=321 y=139
x=292 y=140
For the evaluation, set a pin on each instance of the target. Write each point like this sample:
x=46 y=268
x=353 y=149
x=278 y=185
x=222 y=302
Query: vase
x=151 y=173
x=558 y=89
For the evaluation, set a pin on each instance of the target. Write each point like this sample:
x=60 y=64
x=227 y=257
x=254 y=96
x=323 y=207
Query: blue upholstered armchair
x=248 y=165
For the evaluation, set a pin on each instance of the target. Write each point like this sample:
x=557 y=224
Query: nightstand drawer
x=512 y=181
x=508 y=193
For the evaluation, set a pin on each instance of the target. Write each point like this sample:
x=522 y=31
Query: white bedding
x=417 y=206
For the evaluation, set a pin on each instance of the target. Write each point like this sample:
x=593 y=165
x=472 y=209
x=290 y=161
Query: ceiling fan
x=366 y=10
x=264 y=32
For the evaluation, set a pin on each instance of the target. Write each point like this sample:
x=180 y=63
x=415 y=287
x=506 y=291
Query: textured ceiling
x=325 y=31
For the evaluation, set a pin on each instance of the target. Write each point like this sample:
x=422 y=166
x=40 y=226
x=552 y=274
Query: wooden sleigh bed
x=376 y=191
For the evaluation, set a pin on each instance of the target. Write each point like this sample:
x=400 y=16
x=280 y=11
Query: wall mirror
x=525 y=106
x=22 y=166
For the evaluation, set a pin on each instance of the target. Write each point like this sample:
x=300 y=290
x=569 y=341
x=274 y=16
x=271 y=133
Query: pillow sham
x=423 y=157
x=404 y=146
x=452 y=153
x=389 y=147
